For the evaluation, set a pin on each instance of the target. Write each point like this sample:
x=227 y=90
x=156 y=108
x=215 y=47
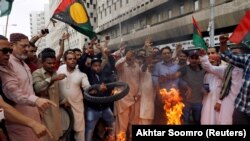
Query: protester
x=71 y=88
x=17 y=87
x=45 y=83
x=241 y=113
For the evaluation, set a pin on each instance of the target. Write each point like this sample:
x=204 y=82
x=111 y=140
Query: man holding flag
x=240 y=36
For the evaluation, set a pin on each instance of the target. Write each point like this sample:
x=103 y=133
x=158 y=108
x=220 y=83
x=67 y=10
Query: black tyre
x=107 y=99
x=67 y=123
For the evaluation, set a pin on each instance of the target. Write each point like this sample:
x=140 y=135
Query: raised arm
x=61 y=43
x=206 y=65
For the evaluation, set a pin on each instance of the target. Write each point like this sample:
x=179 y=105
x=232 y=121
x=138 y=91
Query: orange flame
x=121 y=136
x=116 y=90
x=173 y=106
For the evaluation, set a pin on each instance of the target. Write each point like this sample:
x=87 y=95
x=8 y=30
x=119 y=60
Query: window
x=115 y=6
x=127 y=1
x=181 y=9
x=169 y=14
x=196 y=5
x=105 y=11
x=120 y=3
x=159 y=17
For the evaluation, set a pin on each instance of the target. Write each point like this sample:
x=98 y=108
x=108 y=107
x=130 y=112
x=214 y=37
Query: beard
x=22 y=57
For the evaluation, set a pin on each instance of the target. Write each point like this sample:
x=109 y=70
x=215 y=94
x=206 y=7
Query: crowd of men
x=214 y=85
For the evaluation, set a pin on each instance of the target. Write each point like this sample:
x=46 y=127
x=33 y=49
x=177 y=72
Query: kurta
x=127 y=109
x=129 y=75
x=227 y=104
x=70 y=88
x=208 y=114
x=214 y=78
x=52 y=116
x=148 y=94
x=17 y=86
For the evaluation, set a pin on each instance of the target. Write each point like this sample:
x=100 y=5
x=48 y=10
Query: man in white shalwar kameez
x=225 y=107
x=208 y=114
x=127 y=109
x=70 y=89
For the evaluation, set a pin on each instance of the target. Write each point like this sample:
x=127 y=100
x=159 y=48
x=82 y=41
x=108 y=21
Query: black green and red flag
x=241 y=34
x=198 y=41
x=74 y=13
x=5 y=7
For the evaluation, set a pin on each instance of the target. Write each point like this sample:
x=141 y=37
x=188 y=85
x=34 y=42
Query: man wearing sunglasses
x=18 y=88
x=10 y=113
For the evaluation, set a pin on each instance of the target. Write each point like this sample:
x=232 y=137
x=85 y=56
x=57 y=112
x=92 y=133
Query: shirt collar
x=170 y=63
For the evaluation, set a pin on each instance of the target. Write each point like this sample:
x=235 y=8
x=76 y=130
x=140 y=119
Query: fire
x=116 y=90
x=121 y=136
x=173 y=106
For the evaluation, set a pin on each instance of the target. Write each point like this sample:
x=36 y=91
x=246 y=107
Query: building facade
x=38 y=21
x=165 y=21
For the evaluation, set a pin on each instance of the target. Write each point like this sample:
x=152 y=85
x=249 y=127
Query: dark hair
x=166 y=47
x=47 y=53
x=143 y=50
x=156 y=48
x=243 y=47
x=185 y=52
x=32 y=45
x=76 y=49
x=15 y=37
x=3 y=37
x=69 y=51
x=216 y=49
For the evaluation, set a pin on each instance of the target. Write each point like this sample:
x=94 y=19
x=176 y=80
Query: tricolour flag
x=241 y=34
x=198 y=41
x=5 y=7
x=74 y=13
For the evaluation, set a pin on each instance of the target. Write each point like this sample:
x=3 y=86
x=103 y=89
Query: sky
x=19 y=17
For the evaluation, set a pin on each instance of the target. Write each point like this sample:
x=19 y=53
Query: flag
x=241 y=33
x=197 y=36
x=74 y=13
x=5 y=7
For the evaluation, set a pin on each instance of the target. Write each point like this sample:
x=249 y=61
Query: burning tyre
x=119 y=90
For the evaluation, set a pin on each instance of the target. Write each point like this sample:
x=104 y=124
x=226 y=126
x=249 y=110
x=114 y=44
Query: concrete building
x=166 y=21
x=38 y=21
x=76 y=40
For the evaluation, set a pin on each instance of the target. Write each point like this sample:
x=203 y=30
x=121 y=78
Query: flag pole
x=6 y=26
x=211 y=33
